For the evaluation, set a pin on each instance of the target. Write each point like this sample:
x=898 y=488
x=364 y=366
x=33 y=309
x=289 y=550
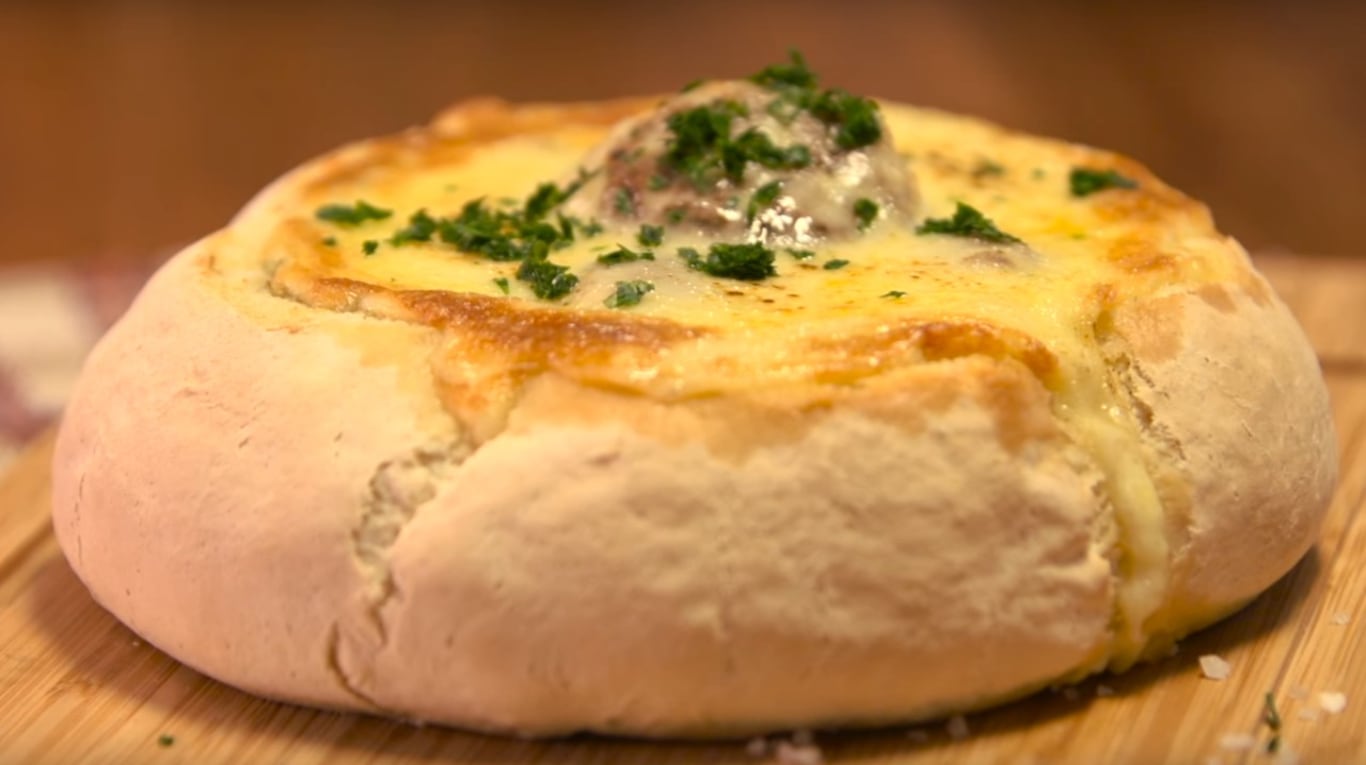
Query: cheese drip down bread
x=761 y=405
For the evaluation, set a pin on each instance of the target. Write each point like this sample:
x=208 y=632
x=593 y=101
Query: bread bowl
x=951 y=415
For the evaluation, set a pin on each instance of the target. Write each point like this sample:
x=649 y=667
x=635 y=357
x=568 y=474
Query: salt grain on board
x=1237 y=742
x=1332 y=702
x=1214 y=667
x=793 y=754
x=1341 y=618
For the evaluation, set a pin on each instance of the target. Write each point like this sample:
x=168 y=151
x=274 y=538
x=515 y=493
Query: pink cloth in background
x=50 y=317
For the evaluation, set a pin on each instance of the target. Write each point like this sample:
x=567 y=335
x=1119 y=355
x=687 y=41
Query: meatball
x=737 y=160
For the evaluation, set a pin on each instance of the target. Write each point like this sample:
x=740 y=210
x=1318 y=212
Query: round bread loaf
x=911 y=415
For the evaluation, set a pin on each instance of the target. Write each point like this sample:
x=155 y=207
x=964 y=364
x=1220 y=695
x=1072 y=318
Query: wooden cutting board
x=77 y=687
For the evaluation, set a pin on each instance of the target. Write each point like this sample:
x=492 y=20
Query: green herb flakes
x=624 y=255
x=802 y=254
x=1272 y=717
x=893 y=294
x=503 y=286
x=988 y=168
x=165 y=740
x=329 y=241
x=628 y=294
x=624 y=202
x=853 y=118
x=351 y=215
x=746 y=262
x=548 y=281
x=762 y=197
x=967 y=222
x=865 y=210
x=1085 y=181
x=420 y=228
x=794 y=74
x=369 y=247
x=834 y=265
x=701 y=147
x=650 y=236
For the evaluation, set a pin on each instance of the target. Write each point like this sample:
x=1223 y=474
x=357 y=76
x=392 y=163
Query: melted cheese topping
x=1082 y=257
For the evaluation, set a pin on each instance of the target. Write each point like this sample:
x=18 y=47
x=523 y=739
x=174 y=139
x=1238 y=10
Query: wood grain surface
x=77 y=687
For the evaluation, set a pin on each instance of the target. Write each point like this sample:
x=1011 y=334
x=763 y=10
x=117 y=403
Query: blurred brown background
x=127 y=126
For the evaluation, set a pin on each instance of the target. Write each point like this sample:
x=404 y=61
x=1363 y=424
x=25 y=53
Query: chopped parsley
x=658 y=182
x=503 y=285
x=351 y=215
x=1085 y=181
x=794 y=74
x=746 y=262
x=894 y=294
x=165 y=740
x=369 y=247
x=329 y=241
x=802 y=254
x=624 y=202
x=988 y=168
x=865 y=210
x=1272 y=717
x=545 y=198
x=628 y=294
x=701 y=147
x=420 y=228
x=762 y=197
x=650 y=236
x=677 y=214
x=624 y=255
x=967 y=221
x=523 y=233
x=853 y=118
x=548 y=281
x=835 y=265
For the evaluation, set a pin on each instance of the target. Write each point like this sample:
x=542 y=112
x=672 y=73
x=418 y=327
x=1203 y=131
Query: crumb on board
x=1237 y=742
x=797 y=754
x=1103 y=691
x=1213 y=667
x=1333 y=702
x=1308 y=714
x=957 y=726
x=1341 y=618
